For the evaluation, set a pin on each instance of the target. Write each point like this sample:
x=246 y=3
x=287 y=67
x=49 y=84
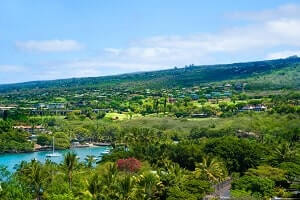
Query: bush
x=257 y=186
x=238 y=154
x=129 y=165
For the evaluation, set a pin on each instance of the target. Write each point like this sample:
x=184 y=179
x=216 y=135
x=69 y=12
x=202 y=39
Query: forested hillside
x=279 y=73
x=165 y=135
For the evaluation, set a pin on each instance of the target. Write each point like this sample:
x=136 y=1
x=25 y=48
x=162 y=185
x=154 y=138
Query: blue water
x=13 y=159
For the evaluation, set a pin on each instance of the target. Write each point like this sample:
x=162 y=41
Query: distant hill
x=184 y=77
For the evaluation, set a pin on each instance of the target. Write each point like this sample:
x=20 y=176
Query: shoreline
x=50 y=149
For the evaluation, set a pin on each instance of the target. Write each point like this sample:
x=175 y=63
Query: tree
x=175 y=193
x=100 y=115
x=32 y=174
x=275 y=174
x=242 y=195
x=258 y=187
x=67 y=196
x=292 y=170
x=62 y=140
x=44 y=139
x=190 y=188
x=165 y=104
x=70 y=164
x=90 y=160
x=5 y=126
x=211 y=169
x=148 y=185
x=5 y=115
x=95 y=187
x=125 y=186
x=14 y=190
x=129 y=165
x=4 y=173
x=186 y=155
x=238 y=154
x=283 y=153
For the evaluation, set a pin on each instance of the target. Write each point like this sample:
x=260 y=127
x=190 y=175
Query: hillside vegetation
x=274 y=74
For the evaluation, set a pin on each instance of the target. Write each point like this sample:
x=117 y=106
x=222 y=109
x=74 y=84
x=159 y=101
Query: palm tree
x=148 y=184
x=111 y=173
x=32 y=173
x=90 y=159
x=70 y=164
x=171 y=172
x=283 y=153
x=212 y=169
x=95 y=186
x=125 y=186
x=50 y=169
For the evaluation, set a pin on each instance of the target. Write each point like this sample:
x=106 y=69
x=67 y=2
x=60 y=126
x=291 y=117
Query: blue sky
x=53 y=39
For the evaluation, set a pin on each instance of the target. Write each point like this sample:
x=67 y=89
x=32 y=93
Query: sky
x=54 y=39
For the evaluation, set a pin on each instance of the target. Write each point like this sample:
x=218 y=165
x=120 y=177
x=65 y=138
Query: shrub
x=129 y=165
x=257 y=186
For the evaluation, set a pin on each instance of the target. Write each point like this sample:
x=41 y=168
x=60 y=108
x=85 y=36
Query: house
x=101 y=97
x=30 y=129
x=2 y=108
x=245 y=134
x=238 y=86
x=40 y=106
x=254 y=108
x=227 y=94
x=81 y=103
x=56 y=106
x=195 y=96
x=215 y=94
x=201 y=115
x=171 y=100
x=260 y=108
x=208 y=96
x=101 y=110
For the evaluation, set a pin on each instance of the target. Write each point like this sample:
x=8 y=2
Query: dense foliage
x=174 y=134
x=12 y=140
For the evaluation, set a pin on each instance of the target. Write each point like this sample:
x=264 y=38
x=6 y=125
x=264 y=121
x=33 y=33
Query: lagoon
x=10 y=160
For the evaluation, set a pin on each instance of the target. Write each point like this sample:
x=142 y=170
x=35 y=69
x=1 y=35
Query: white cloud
x=49 y=45
x=284 y=11
x=92 y=67
x=282 y=54
x=161 y=52
x=11 y=68
x=277 y=28
x=202 y=48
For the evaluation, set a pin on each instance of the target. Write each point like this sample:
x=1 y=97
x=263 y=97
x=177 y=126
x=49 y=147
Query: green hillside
x=271 y=74
x=286 y=78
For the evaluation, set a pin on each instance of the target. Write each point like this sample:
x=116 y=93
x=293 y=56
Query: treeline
x=150 y=164
x=13 y=140
x=259 y=153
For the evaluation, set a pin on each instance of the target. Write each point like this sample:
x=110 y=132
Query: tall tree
x=32 y=174
x=70 y=164
x=212 y=169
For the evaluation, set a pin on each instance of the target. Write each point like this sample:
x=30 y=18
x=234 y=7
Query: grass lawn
x=118 y=116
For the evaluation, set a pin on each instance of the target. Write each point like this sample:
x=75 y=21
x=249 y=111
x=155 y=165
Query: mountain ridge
x=184 y=76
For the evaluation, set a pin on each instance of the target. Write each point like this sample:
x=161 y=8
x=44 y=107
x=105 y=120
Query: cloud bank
x=49 y=45
x=267 y=34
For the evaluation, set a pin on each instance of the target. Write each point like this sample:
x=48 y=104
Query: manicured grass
x=118 y=116
x=60 y=99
